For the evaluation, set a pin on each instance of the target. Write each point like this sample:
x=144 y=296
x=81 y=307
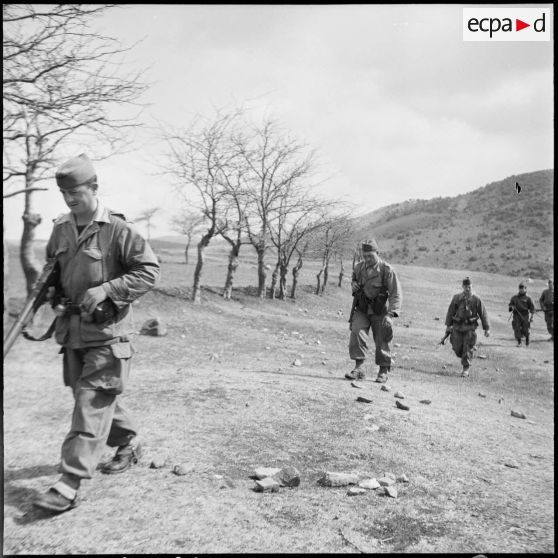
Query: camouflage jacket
x=108 y=252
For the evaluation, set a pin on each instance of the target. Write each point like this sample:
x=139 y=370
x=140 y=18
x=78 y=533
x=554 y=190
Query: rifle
x=516 y=311
x=443 y=340
x=49 y=277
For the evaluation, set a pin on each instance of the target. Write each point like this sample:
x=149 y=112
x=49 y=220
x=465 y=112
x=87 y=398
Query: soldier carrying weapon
x=462 y=317
x=523 y=311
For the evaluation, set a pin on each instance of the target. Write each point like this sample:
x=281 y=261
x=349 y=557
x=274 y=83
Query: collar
x=101 y=215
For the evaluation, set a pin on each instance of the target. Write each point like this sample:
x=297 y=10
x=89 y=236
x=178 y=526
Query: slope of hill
x=494 y=228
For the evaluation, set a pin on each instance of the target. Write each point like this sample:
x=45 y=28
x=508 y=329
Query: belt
x=73 y=308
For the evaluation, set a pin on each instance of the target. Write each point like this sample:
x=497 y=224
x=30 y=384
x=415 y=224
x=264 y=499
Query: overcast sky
x=397 y=105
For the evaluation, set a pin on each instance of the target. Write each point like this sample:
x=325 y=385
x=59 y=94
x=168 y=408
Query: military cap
x=521 y=285
x=466 y=281
x=75 y=172
x=370 y=245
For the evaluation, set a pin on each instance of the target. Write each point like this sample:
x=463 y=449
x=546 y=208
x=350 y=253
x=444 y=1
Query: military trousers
x=520 y=325
x=549 y=319
x=382 y=333
x=97 y=376
x=463 y=343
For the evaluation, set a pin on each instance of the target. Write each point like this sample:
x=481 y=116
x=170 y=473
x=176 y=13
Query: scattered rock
x=391 y=491
x=437 y=318
x=402 y=406
x=397 y=344
x=399 y=395
x=402 y=478
x=357 y=385
x=386 y=481
x=288 y=476
x=158 y=462
x=363 y=399
x=425 y=401
x=380 y=491
x=369 y=484
x=355 y=491
x=297 y=362
x=500 y=400
x=263 y=472
x=482 y=356
x=338 y=479
x=482 y=394
x=414 y=347
x=182 y=469
x=373 y=428
x=512 y=464
x=153 y=327
x=385 y=388
x=518 y=414
x=269 y=484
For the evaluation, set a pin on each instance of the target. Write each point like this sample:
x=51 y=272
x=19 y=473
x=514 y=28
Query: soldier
x=104 y=266
x=523 y=311
x=462 y=317
x=547 y=306
x=377 y=299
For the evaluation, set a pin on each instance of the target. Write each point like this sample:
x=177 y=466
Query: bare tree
x=198 y=157
x=147 y=216
x=274 y=161
x=60 y=80
x=333 y=236
x=187 y=223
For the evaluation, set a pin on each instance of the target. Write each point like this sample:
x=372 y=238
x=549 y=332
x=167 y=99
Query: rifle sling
x=44 y=337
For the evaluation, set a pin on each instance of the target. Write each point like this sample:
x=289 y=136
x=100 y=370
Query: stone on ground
x=288 y=476
x=269 y=484
x=369 y=484
x=263 y=472
x=338 y=479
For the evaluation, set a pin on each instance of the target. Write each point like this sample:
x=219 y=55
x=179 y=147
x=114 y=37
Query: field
x=221 y=395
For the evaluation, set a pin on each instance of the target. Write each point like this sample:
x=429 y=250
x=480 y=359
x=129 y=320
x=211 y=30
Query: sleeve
x=395 y=296
x=511 y=305
x=450 y=312
x=542 y=301
x=142 y=269
x=531 y=305
x=483 y=316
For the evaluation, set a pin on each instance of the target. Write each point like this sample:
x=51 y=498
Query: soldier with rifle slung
x=462 y=317
x=547 y=306
x=104 y=265
x=523 y=311
x=376 y=300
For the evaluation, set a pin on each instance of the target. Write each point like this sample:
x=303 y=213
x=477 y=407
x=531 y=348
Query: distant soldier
x=547 y=306
x=523 y=311
x=376 y=300
x=462 y=318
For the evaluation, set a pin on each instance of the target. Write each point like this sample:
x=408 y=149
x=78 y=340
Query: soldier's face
x=522 y=290
x=370 y=258
x=81 y=200
x=467 y=289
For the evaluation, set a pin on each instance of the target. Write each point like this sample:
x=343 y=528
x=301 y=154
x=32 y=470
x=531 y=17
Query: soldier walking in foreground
x=523 y=311
x=376 y=300
x=462 y=317
x=104 y=266
x=547 y=306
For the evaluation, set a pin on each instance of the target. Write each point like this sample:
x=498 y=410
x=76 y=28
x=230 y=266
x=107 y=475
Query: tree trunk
x=187 y=250
x=31 y=267
x=233 y=264
x=262 y=274
x=319 y=281
x=6 y=313
x=341 y=273
x=196 y=292
x=283 y=282
x=326 y=273
x=274 y=277
x=296 y=270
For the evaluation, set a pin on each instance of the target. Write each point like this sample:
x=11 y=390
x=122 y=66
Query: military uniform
x=107 y=253
x=523 y=309
x=462 y=318
x=380 y=285
x=547 y=306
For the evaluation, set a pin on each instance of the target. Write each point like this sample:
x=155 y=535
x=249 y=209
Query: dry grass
x=220 y=394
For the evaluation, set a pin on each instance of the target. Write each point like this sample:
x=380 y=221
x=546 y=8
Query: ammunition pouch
x=105 y=312
x=379 y=303
x=361 y=301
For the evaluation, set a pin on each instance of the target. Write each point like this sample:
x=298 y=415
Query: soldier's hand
x=487 y=333
x=92 y=298
x=355 y=286
x=50 y=293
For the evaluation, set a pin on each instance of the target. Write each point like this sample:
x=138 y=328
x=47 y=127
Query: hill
x=493 y=229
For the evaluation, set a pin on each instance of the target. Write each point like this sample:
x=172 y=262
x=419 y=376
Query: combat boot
x=465 y=371
x=527 y=340
x=382 y=377
x=123 y=459
x=357 y=373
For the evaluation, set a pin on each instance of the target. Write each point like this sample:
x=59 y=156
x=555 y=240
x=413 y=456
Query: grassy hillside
x=492 y=229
